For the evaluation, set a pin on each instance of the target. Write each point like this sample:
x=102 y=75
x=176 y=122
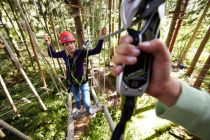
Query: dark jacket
x=76 y=63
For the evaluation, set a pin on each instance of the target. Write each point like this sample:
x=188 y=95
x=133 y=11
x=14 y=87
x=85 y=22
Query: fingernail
x=146 y=43
x=127 y=40
x=135 y=51
x=131 y=59
x=118 y=69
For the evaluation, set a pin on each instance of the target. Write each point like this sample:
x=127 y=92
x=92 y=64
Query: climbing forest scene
x=59 y=59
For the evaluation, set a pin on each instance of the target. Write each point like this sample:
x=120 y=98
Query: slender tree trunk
x=110 y=19
x=22 y=34
x=56 y=39
x=198 y=53
x=11 y=21
x=111 y=47
x=2 y=135
x=178 y=25
x=24 y=11
x=192 y=38
x=119 y=18
x=113 y=17
x=173 y=21
x=33 y=42
x=38 y=8
x=78 y=21
x=14 y=44
x=3 y=85
x=19 y=66
x=202 y=74
x=43 y=15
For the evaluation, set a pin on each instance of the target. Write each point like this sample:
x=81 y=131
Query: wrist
x=170 y=93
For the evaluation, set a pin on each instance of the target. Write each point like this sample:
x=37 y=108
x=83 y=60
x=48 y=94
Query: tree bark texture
x=33 y=42
x=198 y=53
x=178 y=25
x=78 y=21
x=19 y=67
x=202 y=74
x=192 y=38
x=173 y=21
x=21 y=32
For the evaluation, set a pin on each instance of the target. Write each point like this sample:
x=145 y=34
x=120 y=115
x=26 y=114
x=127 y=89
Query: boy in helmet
x=76 y=76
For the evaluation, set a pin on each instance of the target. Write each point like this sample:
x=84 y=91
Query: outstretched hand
x=161 y=84
x=47 y=39
x=102 y=33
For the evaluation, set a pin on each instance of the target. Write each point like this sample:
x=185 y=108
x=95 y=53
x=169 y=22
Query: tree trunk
x=173 y=21
x=78 y=22
x=33 y=42
x=2 y=135
x=22 y=33
x=56 y=39
x=113 y=17
x=19 y=67
x=18 y=134
x=43 y=15
x=11 y=21
x=198 y=53
x=192 y=38
x=24 y=11
x=119 y=23
x=3 y=85
x=14 y=44
x=178 y=25
x=110 y=19
x=202 y=74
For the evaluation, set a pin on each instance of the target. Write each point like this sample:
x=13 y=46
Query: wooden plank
x=84 y=114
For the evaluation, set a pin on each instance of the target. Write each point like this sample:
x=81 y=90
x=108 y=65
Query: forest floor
x=153 y=127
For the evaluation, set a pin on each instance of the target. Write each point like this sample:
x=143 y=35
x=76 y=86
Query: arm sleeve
x=97 y=49
x=192 y=111
x=52 y=53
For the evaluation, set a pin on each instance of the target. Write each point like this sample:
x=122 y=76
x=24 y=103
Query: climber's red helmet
x=66 y=37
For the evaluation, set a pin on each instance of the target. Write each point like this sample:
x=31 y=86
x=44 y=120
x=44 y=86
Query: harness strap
x=127 y=112
x=79 y=82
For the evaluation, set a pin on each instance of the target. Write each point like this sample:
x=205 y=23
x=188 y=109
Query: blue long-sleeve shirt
x=75 y=63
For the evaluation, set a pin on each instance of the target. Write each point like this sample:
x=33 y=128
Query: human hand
x=102 y=33
x=47 y=39
x=161 y=85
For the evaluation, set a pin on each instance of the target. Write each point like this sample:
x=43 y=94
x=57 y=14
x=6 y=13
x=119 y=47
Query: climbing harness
x=76 y=81
x=133 y=81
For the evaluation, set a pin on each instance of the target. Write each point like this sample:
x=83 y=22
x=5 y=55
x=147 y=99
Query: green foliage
x=43 y=125
x=99 y=128
x=52 y=124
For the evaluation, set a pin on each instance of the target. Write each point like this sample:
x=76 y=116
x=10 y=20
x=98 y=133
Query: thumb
x=155 y=47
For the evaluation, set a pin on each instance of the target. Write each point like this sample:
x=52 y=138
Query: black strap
x=71 y=63
x=128 y=109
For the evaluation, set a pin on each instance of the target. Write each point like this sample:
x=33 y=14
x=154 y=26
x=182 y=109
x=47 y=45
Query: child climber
x=76 y=76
